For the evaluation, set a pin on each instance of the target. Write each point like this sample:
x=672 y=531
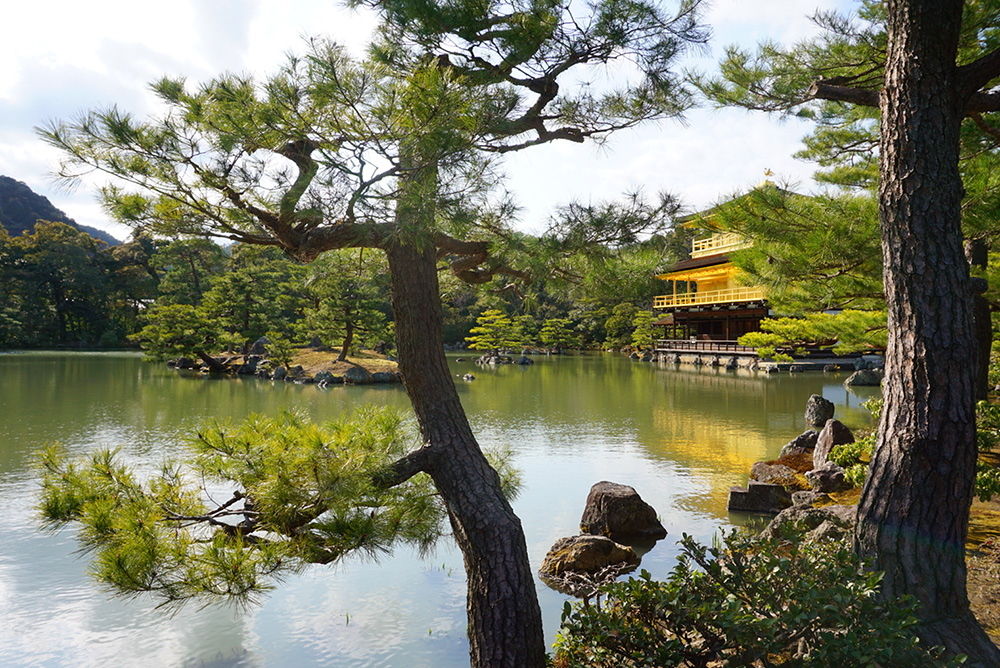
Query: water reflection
x=680 y=436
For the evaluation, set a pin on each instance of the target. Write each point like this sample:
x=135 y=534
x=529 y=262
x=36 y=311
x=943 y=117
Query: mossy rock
x=585 y=554
x=779 y=474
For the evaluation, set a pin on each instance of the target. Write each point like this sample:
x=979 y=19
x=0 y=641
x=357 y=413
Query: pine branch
x=404 y=468
x=822 y=89
x=978 y=73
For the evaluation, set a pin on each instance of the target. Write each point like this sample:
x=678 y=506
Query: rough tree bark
x=914 y=510
x=505 y=623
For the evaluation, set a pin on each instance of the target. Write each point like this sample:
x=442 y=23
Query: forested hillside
x=21 y=207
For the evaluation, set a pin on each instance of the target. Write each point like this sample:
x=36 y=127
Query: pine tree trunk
x=505 y=625
x=914 y=510
x=345 y=347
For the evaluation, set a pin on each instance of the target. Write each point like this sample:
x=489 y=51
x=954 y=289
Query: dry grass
x=314 y=360
x=983 y=585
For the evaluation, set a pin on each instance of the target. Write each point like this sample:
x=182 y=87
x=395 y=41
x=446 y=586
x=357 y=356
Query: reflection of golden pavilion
x=707 y=300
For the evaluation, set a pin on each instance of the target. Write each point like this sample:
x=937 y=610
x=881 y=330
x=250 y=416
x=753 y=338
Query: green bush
x=747 y=601
x=855 y=457
x=852 y=454
x=856 y=474
x=987 y=425
x=858 y=453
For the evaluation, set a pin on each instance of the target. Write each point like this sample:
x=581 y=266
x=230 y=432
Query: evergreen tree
x=65 y=283
x=619 y=325
x=186 y=268
x=346 y=295
x=642 y=330
x=557 y=333
x=925 y=65
x=494 y=330
x=180 y=330
x=256 y=293
x=392 y=153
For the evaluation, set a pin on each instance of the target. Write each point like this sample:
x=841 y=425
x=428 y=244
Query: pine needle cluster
x=303 y=494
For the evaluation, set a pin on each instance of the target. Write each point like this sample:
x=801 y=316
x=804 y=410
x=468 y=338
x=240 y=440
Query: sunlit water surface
x=681 y=436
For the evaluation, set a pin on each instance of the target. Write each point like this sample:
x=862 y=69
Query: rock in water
x=759 y=497
x=821 y=523
x=585 y=554
x=618 y=512
x=778 y=474
x=818 y=411
x=865 y=377
x=355 y=375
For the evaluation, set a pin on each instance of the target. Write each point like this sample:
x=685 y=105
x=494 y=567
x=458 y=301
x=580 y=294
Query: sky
x=60 y=58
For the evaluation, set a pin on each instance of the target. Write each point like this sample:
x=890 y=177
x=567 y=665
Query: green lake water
x=680 y=435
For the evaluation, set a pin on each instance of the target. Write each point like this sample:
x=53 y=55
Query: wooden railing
x=718 y=243
x=702 y=345
x=726 y=296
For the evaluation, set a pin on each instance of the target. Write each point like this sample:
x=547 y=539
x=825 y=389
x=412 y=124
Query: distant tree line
x=60 y=287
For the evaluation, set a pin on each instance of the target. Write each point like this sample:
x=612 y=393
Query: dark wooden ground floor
x=724 y=322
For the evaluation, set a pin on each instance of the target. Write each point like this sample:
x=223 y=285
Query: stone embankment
x=867 y=368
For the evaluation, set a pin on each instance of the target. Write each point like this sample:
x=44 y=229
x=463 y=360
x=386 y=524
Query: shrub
x=747 y=602
x=855 y=457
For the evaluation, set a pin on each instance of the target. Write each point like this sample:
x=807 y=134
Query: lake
x=680 y=435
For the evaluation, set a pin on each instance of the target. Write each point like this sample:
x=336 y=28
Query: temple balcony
x=718 y=243
x=709 y=297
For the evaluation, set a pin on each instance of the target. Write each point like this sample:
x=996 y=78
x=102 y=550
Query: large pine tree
x=925 y=65
x=393 y=153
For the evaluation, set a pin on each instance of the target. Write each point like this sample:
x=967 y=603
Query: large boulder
x=802 y=443
x=357 y=376
x=585 y=554
x=618 y=512
x=325 y=378
x=778 y=474
x=524 y=360
x=865 y=378
x=759 y=497
x=834 y=433
x=280 y=373
x=385 y=377
x=249 y=366
x=259 y=347
x=828 y=478
x=818 y=411
x=819 y=523
x=809 y=498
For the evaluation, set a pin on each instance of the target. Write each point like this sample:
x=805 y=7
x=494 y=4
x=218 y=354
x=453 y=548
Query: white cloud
x=59 y=58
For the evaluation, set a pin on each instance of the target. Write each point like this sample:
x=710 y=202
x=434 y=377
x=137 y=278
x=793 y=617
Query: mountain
x=20 y=207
